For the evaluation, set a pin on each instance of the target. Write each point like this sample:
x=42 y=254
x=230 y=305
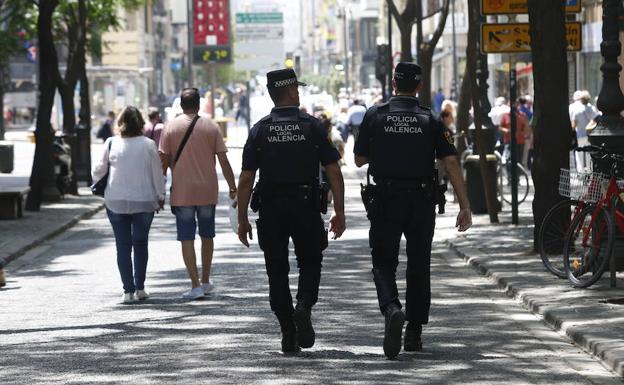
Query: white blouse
x=136 y=183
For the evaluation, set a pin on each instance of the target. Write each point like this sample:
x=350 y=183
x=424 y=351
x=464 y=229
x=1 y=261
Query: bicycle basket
x=586 y=186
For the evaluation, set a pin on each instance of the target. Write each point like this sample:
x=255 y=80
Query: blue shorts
x=187 y=224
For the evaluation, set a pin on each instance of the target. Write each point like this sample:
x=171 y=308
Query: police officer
x=400 y=141
x=288 y=147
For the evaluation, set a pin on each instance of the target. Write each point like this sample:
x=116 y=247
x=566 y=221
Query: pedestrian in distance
x=134 y=191
x=400 y=140
x=2 y=275
x=523 y=131
x=582 y=115
x=189 y=146
x=106 y=130
x=287 y=147
x=438 y=99
x=355 y=114
x=154 y=127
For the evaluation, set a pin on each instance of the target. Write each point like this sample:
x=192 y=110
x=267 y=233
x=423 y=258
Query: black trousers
x=282 y=218
x=409 y=212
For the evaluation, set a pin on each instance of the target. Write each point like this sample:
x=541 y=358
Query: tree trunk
x=2 y=127
x=463 y=111
x=426 y=48
x=406 y=42
x=488 y=174
x=67 y=93
x=85 y=123
x=552 y=123
x=425 y=60
x=42 y=183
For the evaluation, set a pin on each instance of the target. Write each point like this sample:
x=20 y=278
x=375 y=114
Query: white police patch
x=285 y=133
x=402 y=124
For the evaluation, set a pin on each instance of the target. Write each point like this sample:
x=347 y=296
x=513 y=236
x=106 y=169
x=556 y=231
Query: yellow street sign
x=501 y=7
x=515 y=37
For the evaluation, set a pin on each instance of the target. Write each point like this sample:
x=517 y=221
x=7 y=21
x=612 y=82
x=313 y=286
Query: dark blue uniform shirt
x=287 y=146
x=401 y=139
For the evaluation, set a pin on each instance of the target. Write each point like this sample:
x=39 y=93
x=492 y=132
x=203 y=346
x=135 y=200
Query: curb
x=611 y=356
x=46 y=237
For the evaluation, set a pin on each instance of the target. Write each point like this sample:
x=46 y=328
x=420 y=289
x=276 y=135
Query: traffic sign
x=259 y=18
x=259 y=41
x=515 y=37
x=501 y=7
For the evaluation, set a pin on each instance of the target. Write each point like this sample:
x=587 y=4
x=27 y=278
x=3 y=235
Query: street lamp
x=610 y=130
x=454 y=95
x=343 y=13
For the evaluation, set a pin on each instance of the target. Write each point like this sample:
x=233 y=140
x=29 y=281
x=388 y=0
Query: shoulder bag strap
x=189 y=131
x=110 y=144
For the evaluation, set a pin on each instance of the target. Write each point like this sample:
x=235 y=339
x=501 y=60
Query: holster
x=323 y=197
x=440 y=196
x=441 y=201
x=371 y=197
x=256 y=198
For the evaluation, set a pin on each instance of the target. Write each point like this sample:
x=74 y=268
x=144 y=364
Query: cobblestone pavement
x=505 y=254
x=61 y=322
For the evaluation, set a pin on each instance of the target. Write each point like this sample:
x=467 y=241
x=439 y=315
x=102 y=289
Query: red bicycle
x=590 y=239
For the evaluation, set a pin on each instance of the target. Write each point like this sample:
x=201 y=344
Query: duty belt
x=285 y=189
x=416 y=183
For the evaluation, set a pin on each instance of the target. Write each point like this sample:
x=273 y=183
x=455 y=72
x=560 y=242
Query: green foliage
x=18 y=22
x=18 y=18
x=101 y=16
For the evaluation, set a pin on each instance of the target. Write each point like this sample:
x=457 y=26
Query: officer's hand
x=244 y=229
x=337 y=225
x=464 y=220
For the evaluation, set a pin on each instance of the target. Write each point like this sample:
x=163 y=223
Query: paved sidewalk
x=34 y=228
x=505 y=254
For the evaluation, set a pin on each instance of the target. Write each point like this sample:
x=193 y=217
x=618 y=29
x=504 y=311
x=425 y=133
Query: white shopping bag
x=234 y=215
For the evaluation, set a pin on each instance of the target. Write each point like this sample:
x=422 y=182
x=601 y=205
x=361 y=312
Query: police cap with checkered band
x=408 y=74
x=282 y=78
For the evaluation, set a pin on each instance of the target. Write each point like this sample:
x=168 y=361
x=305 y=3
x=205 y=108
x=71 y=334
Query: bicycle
x=503 y=176
x=504 y=179
x=553 y=229
x=590 y=239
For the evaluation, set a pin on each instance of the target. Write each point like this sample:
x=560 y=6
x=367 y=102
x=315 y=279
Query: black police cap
x=282 y=78
x=407 y=73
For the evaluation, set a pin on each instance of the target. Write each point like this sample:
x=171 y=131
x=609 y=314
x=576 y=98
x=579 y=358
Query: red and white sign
x=211 y=22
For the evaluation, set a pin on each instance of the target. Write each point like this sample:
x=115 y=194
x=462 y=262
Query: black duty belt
x=285 y=189
x=415 y=183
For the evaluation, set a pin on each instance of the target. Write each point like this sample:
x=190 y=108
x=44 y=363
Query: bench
x=11 y=201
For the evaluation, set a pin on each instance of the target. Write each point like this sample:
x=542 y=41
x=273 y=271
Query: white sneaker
x=194 y=293
x=208 y=287
x=128 y=298
x=141 y=295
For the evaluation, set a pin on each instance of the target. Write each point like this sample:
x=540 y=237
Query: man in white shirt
x=581 y=114
x=355 y=116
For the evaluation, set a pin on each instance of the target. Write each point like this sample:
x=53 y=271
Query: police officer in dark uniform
x=288 y=146
x=400 y=140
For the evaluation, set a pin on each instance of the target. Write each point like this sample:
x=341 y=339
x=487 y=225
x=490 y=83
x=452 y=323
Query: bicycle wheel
x=505 y=183
x=588 y=246
x=552 y=234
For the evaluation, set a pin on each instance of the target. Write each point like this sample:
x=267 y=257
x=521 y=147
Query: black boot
x=305 y=331
x=289 y=335
x=412 y=341
x=394 y=330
